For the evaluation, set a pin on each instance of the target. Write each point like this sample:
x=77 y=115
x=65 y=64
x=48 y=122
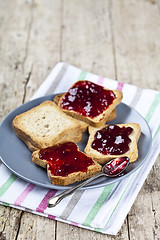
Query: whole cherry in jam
x=87 y=98
x=112 y=140
x=65 y=158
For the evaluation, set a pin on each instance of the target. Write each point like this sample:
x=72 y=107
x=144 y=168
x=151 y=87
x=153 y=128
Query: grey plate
x=16 y=156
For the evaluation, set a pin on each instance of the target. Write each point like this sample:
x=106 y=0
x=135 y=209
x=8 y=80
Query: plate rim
x=61 y=187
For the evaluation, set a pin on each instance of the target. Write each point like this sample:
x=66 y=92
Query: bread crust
x=75 y=137
x=71 y=178
x=99 y=120
x=75 y=177
x=102 y=159
x=45 y=125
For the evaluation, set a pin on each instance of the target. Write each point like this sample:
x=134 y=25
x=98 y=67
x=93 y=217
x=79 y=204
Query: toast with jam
x=112 y=141
x=90 y=103
x=85 y=125
x=65 y=163
x=45 y=125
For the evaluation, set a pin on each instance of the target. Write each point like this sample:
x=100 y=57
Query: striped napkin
x=101 y=209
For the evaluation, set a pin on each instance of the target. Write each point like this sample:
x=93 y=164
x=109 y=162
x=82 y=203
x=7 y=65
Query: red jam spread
x=65 y=158
x=87 y=99
x=116 y=166
x=112 y=140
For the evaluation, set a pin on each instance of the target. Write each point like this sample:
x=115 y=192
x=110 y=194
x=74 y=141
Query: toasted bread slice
x=66 y=168
x=75 y=137
x=102 y=158
x=71 y=102
x=58 y=97
x=84 y=125
x=45 y=125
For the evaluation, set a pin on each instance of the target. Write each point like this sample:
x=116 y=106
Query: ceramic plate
x=16 y=156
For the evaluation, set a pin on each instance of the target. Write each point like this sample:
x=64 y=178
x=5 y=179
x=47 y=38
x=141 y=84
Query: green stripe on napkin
x=7 y=184
x=153 y=107
x=82 y=75
x=102 y=198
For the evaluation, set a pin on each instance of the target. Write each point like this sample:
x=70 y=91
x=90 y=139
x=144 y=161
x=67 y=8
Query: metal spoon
x=113 y=168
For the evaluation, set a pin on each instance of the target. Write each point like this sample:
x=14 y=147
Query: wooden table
x=117 y=39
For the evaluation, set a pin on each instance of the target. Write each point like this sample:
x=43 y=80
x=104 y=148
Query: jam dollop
x=65 y=158
x=116 y=166
x=112 y=140
x=87 y=99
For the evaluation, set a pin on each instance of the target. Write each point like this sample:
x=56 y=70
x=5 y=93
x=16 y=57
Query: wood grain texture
x=116 y=39
x=13 y=28
x=137 y=62
x=136 y=33
x=65 y=232
x=43 y=47
x=86 y=36
x=9 y=222
x=36 y=227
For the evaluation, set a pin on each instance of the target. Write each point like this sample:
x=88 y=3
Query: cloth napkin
x=101 y=209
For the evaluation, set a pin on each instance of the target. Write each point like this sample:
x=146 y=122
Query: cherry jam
x=116 y=166
x=87 y=99
x=65 y=158
x=112 y=140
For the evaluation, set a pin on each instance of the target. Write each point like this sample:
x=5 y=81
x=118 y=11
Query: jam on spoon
x=116 y=166
x=113 y=168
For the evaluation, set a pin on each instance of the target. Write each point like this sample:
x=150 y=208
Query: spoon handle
x=52 y=202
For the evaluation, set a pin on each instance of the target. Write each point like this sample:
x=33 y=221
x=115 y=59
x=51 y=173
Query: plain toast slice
x=45 y=125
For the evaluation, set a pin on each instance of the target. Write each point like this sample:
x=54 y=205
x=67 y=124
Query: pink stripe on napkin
x=74 y=224
x=24 y=194
x=51 y=217
x=100 y=81
x=43 y=204
x=120 y=86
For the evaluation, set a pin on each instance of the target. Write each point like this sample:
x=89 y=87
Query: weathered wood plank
x=136 y=33
x=13 y=41
x=26 y=53
x=144 y=218
x=86 y=36
x=14 y=24
x=9 y=222
x=137 y=56
x=36 y=227
x=87 y=43
x=65 y=232
x=42 y=53
x=118 y=39
x=44 y=43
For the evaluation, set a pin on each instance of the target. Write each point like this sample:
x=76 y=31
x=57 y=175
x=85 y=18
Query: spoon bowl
x=115 y=167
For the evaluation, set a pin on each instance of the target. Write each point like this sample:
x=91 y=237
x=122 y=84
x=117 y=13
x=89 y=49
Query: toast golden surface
x=45 y=125
x=132 y=153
